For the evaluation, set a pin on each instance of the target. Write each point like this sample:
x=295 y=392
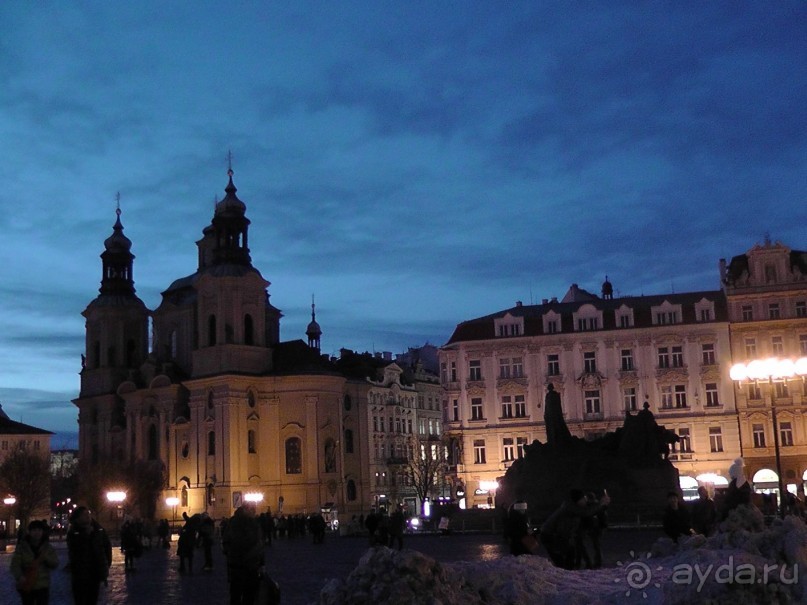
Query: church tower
x=117 y=324
x=314 y=332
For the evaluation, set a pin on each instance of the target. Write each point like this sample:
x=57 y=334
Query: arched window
x=184 y=496
x=348 y=402
x=251 y=399
x=351 y=490
x=211 y=443
x=153 y=444
x=348 y=441
x=249 y=337
x=131 y=353
x=294 y=461
x=251 y=447
x=330 y=456
x=211 y=330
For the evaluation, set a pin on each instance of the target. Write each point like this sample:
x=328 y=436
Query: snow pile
x=744 y=563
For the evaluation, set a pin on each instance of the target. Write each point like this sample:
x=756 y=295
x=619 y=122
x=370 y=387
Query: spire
x=314 y=332
x=230 y=225
x=117 y=259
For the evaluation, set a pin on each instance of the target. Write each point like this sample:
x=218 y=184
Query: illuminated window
x=475 y=369
x=592 y=400
x=773 y=311
x=589 y=362
x=507 y=406
x=758 y=431
x=777 y=345
x=476 y=408
x=552 y=365
x=520 y=406
x=479 y=451
x=627 y=359
x=748 y=313
x=712 y=399
x=715 y=439
x=680 y=391
x=708 y=354
x=294 y=461
x=629 y=399
x=508 y=449
x=786 y=433
x=685 y=443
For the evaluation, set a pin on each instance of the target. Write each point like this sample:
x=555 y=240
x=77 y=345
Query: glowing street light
x=173 y=501
x=771 y=370
x=253 y=497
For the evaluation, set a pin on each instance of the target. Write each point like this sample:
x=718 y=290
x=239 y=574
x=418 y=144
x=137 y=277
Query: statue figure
x=557 y=433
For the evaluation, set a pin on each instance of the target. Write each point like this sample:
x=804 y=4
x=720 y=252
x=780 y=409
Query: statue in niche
x=557 y=433
x=330 y=456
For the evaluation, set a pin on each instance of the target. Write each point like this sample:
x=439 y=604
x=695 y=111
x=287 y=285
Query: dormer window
x=587 y=318
x=704 y=310
x=509 y=326
x=624 y=317
x=666 y=314
x=551 y=323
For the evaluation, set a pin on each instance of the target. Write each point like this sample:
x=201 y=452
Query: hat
x=37 y=524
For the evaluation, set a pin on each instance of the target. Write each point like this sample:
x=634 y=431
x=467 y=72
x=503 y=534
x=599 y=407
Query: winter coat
x=564 y=523
x=90 y=553
x=23 y=559
x=243 y=542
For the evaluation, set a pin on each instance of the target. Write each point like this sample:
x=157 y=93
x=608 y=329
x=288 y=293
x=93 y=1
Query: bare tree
x=25 y=475
x=427 y=465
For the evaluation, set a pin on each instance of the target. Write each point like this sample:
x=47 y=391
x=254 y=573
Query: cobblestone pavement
x=301 y=568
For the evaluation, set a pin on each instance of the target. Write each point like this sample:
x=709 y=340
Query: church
x=224 y=409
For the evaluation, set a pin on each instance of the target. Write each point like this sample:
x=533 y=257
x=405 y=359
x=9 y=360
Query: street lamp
x=771 y=370
x=253 y=497
x=116 y=499
x=173 y=501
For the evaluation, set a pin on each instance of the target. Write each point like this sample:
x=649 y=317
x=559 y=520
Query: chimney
x=544 y=301
x=519 y=303
x=387 y=355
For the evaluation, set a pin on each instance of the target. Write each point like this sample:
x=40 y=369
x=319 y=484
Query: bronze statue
x=557 y=433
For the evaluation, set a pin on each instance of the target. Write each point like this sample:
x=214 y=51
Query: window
x=153 y=444
x=552 y=326
x=553 y=365
x=504 y=367
x=777 y=345
x=801 y=308
x=666 y=317
x=715 y=439
x=211 y=330
x=629 y=399
x=773 y=311
x=475 y=369
x=750 y=348
x=249 y=330
x=479 y=451
x=685 y=443
x=754 y=391
x=666 y=397
x=678 y=357
x=589 y=362
x=251 y=448
x=627 y=359
x=770 y=274
x=786 y=433
x=211 y=443
x=708 y=354
x=294 y=459
x=780 y=390
x=455 y=410
x=518 y=367
x=706 y=315
x=184 y=496
x=453 y=371
x=758 y=430
x=584 y=324
x=351 y=490
x=680 y=391
x=592 y=400
x=748 y=313
x=663 y=357
x=443 y=373
x=521 y=443
x=348 y=441
x=476 y=408
x=624 y=321
x=507 y=406
x=520 y=406
x=391 y=425
x=803 y=344
x=508 y=449
x=712 y=398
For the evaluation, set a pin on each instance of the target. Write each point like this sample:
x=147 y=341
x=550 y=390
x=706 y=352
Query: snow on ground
x=745 y=563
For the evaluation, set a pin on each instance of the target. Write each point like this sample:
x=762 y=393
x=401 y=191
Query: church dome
x=118 y=242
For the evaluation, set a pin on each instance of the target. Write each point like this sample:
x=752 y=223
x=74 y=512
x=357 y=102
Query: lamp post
x=116 y=498
x=771 y=370
x=173 y=501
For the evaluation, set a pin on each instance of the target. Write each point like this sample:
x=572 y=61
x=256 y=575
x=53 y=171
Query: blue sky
x=412 y=164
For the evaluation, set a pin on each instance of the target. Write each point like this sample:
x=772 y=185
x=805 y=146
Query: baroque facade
x=606 y=357
x=766 y=290
x=216 y=401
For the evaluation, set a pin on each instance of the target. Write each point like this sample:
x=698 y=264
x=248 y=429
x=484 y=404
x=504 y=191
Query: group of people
x=89 y=552
x=571 y=535
x=384 y=529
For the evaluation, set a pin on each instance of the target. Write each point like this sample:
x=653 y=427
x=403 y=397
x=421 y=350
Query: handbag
x=268 y=591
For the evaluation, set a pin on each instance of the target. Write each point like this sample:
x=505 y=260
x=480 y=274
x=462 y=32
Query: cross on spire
x=230 y=162
x=117 y=203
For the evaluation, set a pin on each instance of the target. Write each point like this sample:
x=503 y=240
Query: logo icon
x=637 y=574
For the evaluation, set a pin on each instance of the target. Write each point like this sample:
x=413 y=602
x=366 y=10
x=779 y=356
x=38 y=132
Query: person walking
x=186 y=544
x=397 y=527
x=90 y=554
x=243 y=543
x=207 y=527
x=31 y=563
x=704 y=513
x=130 y=544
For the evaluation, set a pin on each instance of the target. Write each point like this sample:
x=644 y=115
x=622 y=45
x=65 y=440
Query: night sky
x=411 y=164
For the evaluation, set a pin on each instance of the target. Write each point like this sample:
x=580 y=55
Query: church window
x=351 y=490
x=294 y=465
x=184 y=496
x=153 y=444
x=251 y=447
x=348 y=441
x=249 y=337
x=211 y=443
x=211 y=330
